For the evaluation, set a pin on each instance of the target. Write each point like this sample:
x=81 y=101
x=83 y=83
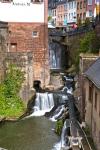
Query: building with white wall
x=27 y=27
x=72 y=7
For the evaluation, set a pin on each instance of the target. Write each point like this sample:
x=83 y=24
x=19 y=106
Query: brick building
x=27 y=26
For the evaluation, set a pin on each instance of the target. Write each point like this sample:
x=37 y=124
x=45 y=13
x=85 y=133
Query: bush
x=10 y=103
x=59 y=126
x=90 y=43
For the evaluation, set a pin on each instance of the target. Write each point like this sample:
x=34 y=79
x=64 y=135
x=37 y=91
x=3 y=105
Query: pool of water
x=30 y=134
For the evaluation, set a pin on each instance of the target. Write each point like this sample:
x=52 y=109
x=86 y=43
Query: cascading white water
x=44 y=103
x=58 y=112
x=63 y=135
x=62 y=144
x=68 y=78
x=70 y=91
x=65 y=88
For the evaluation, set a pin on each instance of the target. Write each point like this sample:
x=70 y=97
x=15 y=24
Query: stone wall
x=32 y=37
x=3 y=48
x=84 y=62
x=23 y=61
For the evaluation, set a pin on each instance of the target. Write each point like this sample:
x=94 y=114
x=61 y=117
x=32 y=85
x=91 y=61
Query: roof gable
x=93 y=73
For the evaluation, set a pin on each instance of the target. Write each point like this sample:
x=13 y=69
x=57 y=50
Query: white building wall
x=22 y=11
x=71 y=12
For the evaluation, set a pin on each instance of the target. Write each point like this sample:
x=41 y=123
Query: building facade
x=85 y=62
x=52 y=5
x=72 y=7
x=81 y=10
x=3 y=48
x=61 y=10
x=90 y=9
x=27 y=27
x=92 y=98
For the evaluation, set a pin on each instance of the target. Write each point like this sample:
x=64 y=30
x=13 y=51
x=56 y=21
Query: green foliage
x=59 y=126
x=90 y=43
x=13 y=81
x=10 y=102
x=49 y=18
x=87 y=22
x=79 y=23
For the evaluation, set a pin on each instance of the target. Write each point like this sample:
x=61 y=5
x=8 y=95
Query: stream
x=36 y=132
x=30 y=134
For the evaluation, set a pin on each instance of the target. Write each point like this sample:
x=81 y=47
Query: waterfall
x=64 y=142
x=43 y=103
x=58 y=113
x=63 y=135
x=68 y=85
x=55 y=55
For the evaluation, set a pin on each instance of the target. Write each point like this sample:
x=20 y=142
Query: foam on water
x=44 y=103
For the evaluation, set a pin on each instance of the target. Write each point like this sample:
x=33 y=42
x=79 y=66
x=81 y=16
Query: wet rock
x=26 y=93
x=2 y=148
x=2 y=119
x=49 y=88
x=30 y=105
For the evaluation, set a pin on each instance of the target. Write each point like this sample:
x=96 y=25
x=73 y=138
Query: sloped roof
x=93 y=73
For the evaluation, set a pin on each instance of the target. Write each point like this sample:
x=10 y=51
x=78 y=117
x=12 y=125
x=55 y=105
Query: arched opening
x=37 y=85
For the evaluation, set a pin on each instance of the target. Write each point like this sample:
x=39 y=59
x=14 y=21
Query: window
x=71 y=15
x=13 y=47
x=55 y=12
x=77 y=16
x=69 y=5
x=81 y=16
x=65 y=7
x=90 y=13
x=90 y=94
x=84 y=4
x=95 y=104
x=89 y=2
x=84 y=16
x=80 y=5
x=94 y=127
x=34 y=34
x=74 y=4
